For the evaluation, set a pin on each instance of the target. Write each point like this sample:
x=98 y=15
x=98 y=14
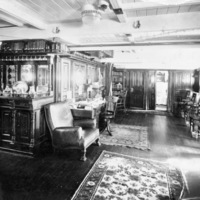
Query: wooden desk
x=94 y=109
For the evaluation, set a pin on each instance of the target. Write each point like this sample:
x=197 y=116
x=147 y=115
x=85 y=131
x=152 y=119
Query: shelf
x=31 y=46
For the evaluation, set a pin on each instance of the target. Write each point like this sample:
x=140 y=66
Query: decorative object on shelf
x=20 y=87
x=7 y=91
x=32 y=92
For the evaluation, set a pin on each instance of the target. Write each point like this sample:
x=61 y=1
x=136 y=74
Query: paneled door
x=136 y=89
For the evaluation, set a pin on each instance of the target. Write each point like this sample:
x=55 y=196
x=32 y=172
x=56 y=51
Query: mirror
x=43 y=79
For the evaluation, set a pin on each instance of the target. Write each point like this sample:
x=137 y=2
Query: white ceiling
x=163 y=26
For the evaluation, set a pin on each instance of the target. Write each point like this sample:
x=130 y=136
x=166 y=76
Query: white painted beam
x=152 y=5
x=130 y=47
x=116 y=4
x=10 y=20
x=19 y=12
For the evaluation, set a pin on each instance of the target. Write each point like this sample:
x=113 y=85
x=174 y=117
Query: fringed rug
x=127 y=135
x=119 y=177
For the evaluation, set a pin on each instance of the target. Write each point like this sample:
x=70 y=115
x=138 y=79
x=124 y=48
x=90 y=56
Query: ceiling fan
x=92 y=13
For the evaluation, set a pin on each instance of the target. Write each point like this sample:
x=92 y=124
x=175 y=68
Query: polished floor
x=57 y=176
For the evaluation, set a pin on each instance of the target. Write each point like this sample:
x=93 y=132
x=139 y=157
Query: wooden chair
x=109 y=113
x=121 y=103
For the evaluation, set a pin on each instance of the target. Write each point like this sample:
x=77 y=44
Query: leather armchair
x=67 y=132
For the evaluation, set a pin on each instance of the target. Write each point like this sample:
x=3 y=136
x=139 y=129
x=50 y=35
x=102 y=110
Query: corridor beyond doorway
x=161 y=90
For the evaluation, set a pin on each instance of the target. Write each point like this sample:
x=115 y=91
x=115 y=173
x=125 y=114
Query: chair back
x=123 y=95
x=58 y=115
x=111 y=105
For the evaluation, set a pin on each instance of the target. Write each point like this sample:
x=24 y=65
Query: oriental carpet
x=119 y=177
x=127 y=135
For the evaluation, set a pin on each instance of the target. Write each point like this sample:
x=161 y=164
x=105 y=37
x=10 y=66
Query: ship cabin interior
x=93 y=64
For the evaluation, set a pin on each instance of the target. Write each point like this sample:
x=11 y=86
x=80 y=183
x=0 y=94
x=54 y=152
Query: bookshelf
x=118 y=82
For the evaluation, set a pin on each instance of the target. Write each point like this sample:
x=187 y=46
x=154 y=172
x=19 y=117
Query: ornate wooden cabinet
x=27 y=77
x=22 y=123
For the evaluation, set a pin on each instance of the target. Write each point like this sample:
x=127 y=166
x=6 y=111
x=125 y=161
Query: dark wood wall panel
x=178 y=80
x=141 y=87
x=136 y=89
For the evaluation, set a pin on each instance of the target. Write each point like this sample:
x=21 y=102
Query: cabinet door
x=6 y=125
x=23 y=126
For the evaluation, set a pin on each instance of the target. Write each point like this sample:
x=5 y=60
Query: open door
x=161 y=90
x=150 y=85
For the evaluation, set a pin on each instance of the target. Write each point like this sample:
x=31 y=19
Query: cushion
x=61 y=115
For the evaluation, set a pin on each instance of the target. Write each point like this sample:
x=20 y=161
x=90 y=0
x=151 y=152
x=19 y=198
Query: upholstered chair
x=68 y=133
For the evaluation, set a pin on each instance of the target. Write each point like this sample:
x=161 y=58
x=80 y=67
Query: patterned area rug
x=119 y=177
x=125 y=135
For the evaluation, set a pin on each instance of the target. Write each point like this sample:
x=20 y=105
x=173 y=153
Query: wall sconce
x=136 y=24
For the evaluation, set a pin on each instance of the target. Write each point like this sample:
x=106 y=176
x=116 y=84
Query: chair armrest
x=67 y=136
x=85 y=123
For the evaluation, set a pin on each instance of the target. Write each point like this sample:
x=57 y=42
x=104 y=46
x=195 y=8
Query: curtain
x=109 y=68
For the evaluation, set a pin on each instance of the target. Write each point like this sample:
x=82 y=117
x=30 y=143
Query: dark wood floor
x=57 y=176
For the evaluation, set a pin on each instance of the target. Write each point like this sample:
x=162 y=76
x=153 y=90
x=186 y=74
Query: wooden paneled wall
x=141 y=87
x=178 y=80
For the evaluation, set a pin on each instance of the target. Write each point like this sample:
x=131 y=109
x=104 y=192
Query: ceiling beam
x=17 y=11
x=117 y=8
x=134 y=46
x=10 y=20
x=151 y=5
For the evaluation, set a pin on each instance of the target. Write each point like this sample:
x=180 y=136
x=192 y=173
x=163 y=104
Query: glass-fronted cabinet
x=26 y=86
x=26 y=78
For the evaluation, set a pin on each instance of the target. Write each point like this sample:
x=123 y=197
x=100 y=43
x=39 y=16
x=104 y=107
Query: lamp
x=90 y=15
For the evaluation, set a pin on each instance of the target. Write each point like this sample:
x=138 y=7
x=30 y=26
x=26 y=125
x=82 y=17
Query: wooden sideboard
x=22 y=123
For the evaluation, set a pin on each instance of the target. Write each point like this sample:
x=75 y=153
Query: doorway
x=161 y=90
x=137 y=89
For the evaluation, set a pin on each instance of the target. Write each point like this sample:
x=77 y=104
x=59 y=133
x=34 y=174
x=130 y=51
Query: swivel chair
x=109 y=113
